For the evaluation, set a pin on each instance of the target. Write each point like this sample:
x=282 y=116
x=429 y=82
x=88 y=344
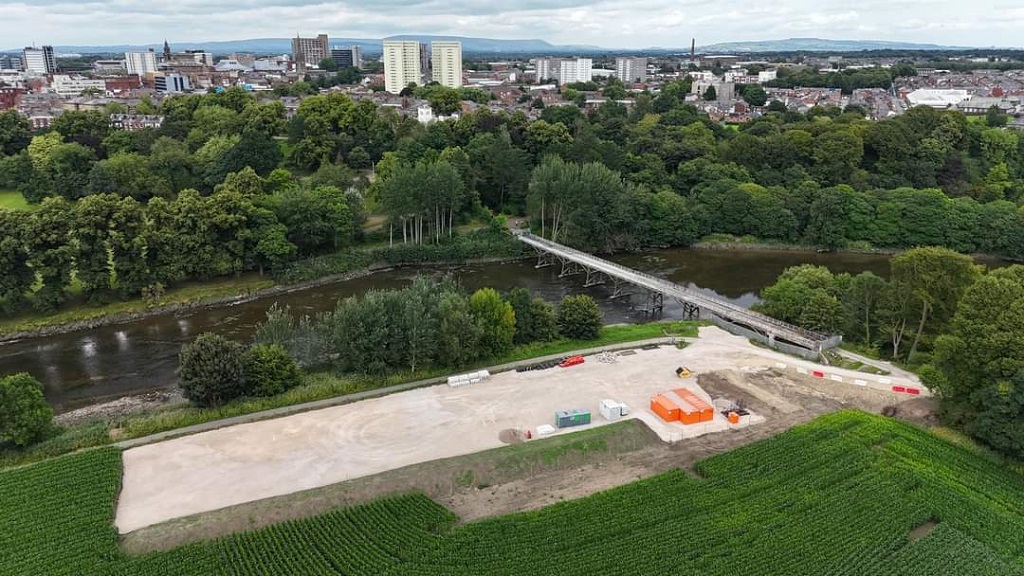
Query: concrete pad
x=248 y=462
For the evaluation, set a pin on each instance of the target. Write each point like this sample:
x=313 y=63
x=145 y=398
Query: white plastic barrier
x=471 y=378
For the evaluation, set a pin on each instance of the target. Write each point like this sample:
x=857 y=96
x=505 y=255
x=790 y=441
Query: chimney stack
x=693 y=48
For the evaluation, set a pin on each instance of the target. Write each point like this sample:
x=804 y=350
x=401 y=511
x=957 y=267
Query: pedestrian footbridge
x=730 y=316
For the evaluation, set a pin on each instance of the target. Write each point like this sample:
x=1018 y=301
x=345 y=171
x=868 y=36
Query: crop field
x=841 y=495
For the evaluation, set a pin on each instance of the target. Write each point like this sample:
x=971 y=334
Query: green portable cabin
x=569 y=418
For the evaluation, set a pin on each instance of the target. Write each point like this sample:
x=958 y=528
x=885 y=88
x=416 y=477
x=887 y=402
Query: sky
x=610 y=24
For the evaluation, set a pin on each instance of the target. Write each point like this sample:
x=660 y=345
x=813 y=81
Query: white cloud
x=613 y=24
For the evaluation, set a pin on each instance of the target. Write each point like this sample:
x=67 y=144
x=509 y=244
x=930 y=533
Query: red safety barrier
x=899 y=389
x=913 y=391
x=573 y=361
x=818 y=374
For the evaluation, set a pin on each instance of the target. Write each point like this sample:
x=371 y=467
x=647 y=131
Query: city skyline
x=636 y=25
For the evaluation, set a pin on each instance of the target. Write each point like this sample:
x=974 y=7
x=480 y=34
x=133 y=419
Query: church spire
x=167 y=50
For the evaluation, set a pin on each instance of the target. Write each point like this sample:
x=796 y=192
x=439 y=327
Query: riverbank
x=339 y=267
x=726 y=243
x=167 y=417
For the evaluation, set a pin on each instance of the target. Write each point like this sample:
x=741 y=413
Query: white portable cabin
x=611 y=410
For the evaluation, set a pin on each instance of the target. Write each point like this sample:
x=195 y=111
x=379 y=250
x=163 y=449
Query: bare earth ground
x=159 y=477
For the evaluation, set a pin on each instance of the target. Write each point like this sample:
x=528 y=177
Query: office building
x=140 y=63
x=71 y=86
x=308 y=52
x=631 y=70
x=40 y=60
x=446 y=63
x=401 y=64
x=172 y=83
x=8 y=62
x=351 y=57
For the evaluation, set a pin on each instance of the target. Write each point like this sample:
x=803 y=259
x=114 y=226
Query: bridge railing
x=676 y=290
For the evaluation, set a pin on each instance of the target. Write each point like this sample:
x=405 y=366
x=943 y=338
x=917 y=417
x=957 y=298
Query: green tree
x=935 y=279
x=358 y=158
x=254 y=150
x=995 y=118
x=15 y=132
x=269 y=370
x=579 y=318
x=16 y=277
x=755 y=95
x=445 y=101
x=981 y=361
x=25 y=417
x=51 y=254
x=458 y=335
x=860 y=301
x=497 y=322
x=85 y=128
x=127 y=174
x=710 y=94
x=317 y=219
x=328 y=64
x=212 y=370
x=822 y=313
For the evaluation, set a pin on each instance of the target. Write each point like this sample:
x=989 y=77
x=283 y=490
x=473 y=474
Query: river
x=105 y=363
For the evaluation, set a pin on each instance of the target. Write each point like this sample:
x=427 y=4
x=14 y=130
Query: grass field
x=13 y=200
x=849 y=493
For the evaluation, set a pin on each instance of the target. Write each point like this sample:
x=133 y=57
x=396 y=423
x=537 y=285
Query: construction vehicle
x=683 y=372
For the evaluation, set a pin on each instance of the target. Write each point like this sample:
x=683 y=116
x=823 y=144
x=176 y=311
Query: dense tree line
x=657 y=174
x=900 y=316
x=846 y=80
x=432 y=323
x=962 y=328
x=116 y=246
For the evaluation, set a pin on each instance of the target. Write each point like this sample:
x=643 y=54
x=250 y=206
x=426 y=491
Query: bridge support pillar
x=594 y=278
x=690 y=311
x=570 y=268
x=544 y=259
x=771 y=339
x=617 y=291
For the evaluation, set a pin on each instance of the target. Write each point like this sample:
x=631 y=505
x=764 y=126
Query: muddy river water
x=100 y=364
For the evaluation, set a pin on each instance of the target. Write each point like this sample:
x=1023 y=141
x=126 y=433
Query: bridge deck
x=718 y=307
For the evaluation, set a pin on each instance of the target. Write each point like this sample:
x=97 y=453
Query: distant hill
x=819 y=45
x=369 y=46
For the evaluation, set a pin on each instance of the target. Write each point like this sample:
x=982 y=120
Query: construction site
x=712 y=385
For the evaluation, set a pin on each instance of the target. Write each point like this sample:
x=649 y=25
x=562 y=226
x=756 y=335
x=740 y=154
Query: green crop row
x=840 y=496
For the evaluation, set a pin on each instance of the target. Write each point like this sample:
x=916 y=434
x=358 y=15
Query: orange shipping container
x=665 y=408
x=705 y=412
x=689 y=417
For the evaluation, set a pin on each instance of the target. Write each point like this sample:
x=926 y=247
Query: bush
x=269 y=370
x=24 y=414
x=211 y=370
x=579 y=318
